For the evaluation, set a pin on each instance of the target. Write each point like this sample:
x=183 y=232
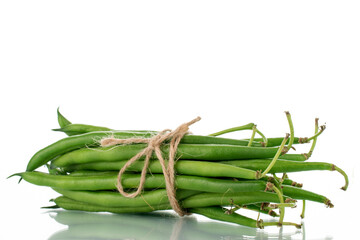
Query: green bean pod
x=258 y=209
x=218 y=213
x=294 y=193
x=220 y=199
x=61 y=119
x=195 y=168
x=69 y=204
x=115 y=199
x=92 y=139
x=282 y=166
x=158 y=197
x=153 y=181
x=213 y=152
x=76 y=129
x=294 y=157
x=274 y=142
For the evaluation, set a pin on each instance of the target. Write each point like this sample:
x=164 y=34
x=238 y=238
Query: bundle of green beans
x=215 y=176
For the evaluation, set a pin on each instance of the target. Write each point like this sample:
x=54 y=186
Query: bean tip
x=329 y=204
x=15 y=174
x=57 y=129
x=50 y=207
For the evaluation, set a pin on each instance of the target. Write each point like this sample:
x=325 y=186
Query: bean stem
x=303 y=210
x=252 y=136
x=278 y=153
x=272 y=187
x=291 y=126
x=248 y=126
x=314 y=139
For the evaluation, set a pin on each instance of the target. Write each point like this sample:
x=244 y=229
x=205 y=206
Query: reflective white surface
x=157 y=64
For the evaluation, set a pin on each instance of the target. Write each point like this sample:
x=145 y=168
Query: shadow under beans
x=155 y=225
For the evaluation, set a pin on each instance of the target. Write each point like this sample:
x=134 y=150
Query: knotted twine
x=153 y=146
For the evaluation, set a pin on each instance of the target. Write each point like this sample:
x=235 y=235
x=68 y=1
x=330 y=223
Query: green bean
x=249 y=126
x=108 y=182
x=115 y=199
x=290 y=182
x=187 y=167
x=185 y=151
x=92 y=139
x=274 y=142
x=69 y=204
x=215 y=199
x=75 y=129
x=71 y=143
x=294 y=193
x=255 y=208
x=195 y=168
x=62 y=120
x=218 y=213
x=158 y=197
x=83 y=173
x=294 y=157
x=282 y=166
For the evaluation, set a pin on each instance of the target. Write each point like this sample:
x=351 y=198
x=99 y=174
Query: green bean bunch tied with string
x=99 y=169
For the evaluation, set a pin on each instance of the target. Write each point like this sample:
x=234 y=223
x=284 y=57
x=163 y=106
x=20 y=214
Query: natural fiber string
x=153 y=146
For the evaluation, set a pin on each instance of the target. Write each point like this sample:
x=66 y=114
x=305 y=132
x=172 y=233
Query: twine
x=153 y=146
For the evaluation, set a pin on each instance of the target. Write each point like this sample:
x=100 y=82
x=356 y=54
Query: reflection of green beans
x=87 y=225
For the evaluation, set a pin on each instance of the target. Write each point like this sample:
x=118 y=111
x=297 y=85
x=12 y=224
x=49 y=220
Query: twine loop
x=154 y=146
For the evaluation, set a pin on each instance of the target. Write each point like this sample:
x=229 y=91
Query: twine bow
x=154 y=146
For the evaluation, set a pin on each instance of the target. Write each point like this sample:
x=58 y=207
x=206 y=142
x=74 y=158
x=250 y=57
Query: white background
x=157 y=64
